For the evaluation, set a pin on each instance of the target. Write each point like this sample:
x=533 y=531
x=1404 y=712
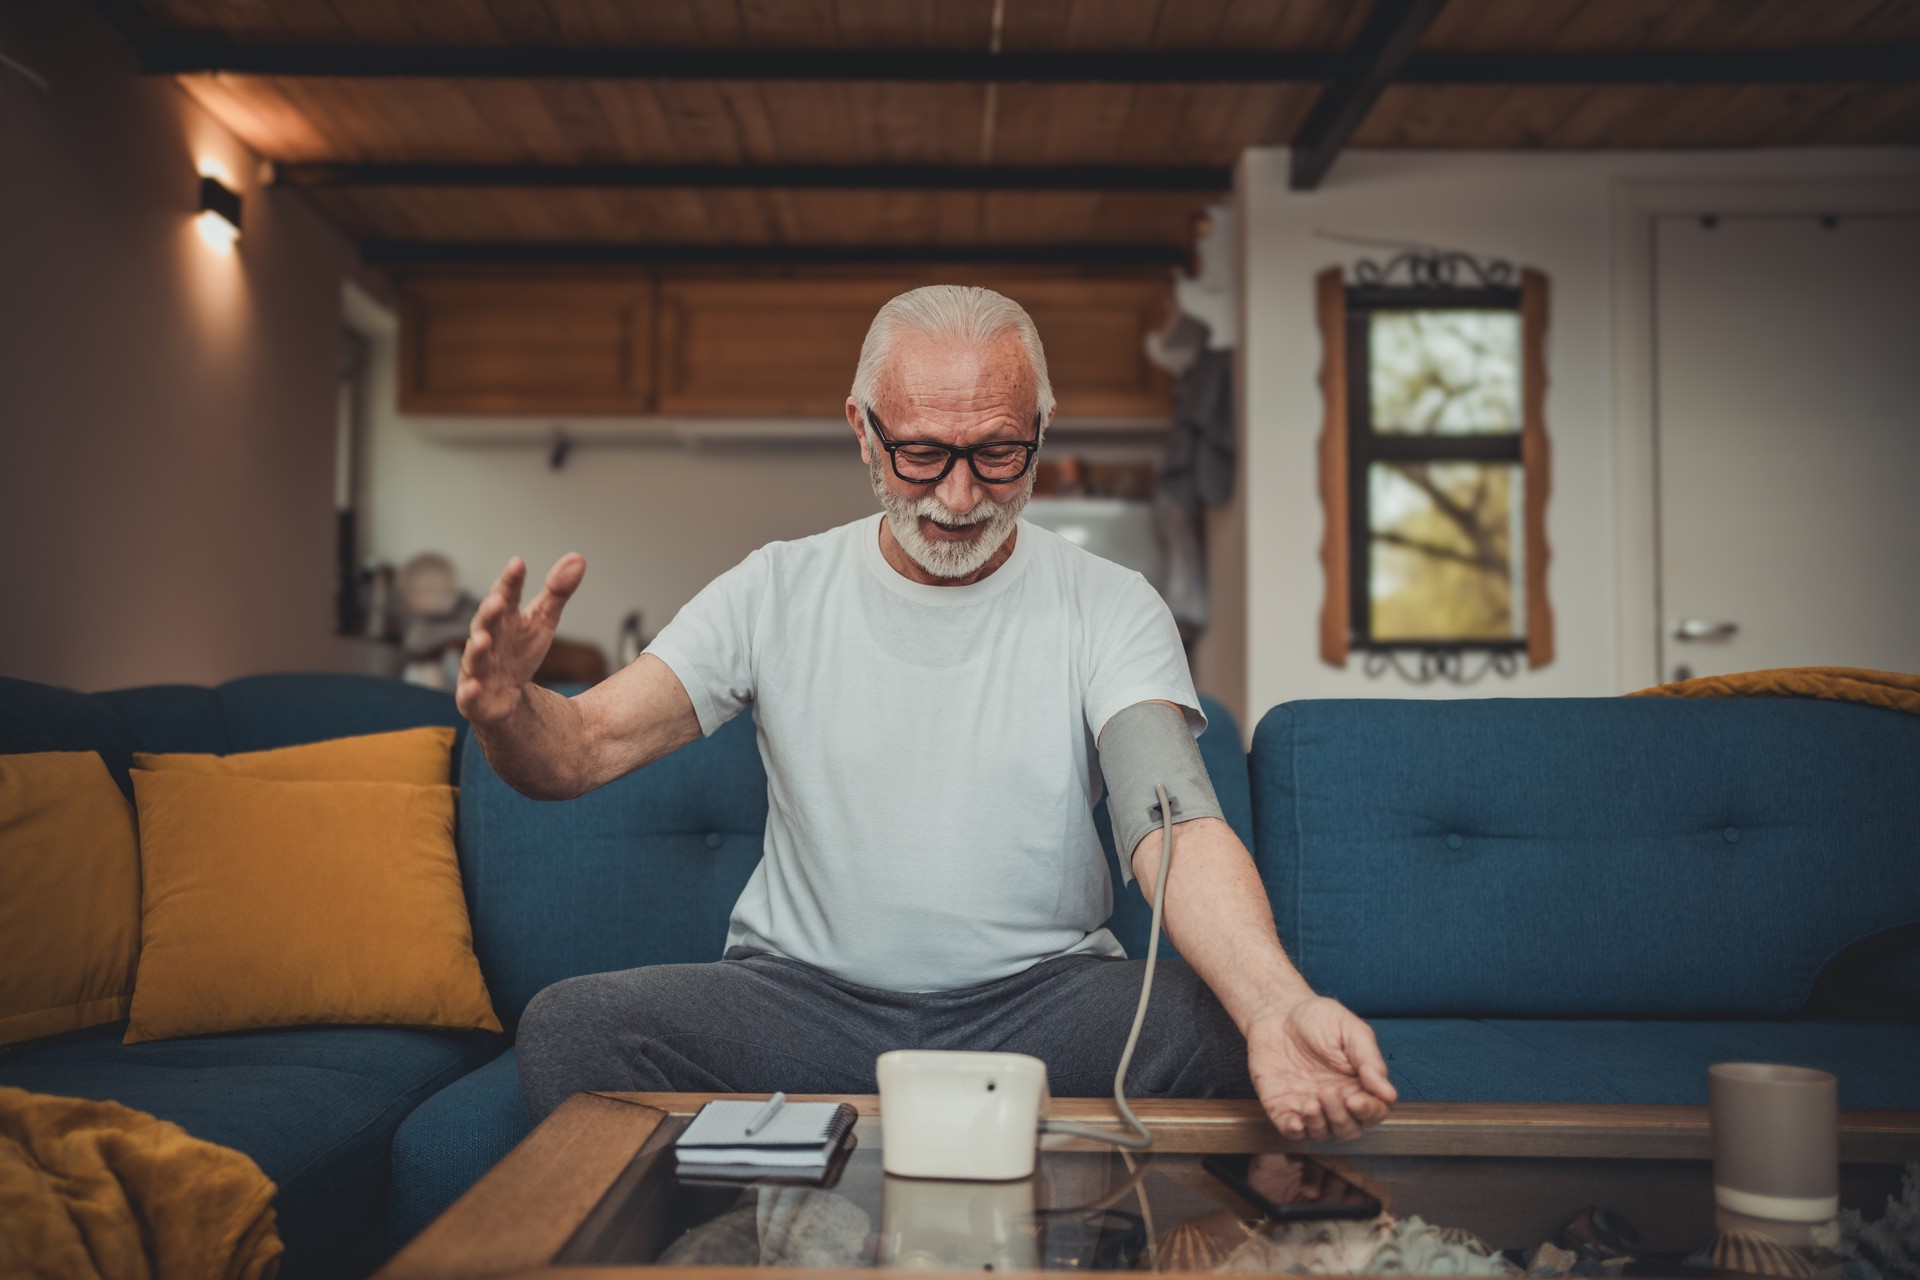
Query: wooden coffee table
x=1510 y=1173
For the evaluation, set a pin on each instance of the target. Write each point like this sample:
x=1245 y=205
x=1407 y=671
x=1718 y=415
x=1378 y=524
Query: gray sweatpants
x=758 y=1023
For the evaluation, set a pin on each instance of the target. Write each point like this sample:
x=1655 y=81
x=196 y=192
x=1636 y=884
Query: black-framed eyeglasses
x=929 y=461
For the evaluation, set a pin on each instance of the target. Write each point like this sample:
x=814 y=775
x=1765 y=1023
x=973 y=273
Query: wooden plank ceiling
x=497 y=120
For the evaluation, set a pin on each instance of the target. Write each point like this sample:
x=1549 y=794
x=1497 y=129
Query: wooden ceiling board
x=1860 y=114
x=1143 y=124
x=296 y=118
x=1181 y=24
x=1620 y=25
x=569 y=215
x=270 y=125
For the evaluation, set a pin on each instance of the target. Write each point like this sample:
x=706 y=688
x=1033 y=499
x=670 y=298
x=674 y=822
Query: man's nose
x=960 y=492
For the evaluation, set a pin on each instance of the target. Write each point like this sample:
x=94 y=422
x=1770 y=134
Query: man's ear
x=859 y=428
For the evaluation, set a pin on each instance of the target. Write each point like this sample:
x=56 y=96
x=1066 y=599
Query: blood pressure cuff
x=1143 y=746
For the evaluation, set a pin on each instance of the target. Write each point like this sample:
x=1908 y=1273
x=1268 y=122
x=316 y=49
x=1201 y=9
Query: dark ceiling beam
x=860 y=177
x=1850 y=64
x=1392 y=31
x=420 y=253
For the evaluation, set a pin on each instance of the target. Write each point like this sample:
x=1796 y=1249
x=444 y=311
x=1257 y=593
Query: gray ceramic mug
x=1776 y=1147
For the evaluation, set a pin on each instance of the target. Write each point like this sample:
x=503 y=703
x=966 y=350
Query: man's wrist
x=1276 y=1000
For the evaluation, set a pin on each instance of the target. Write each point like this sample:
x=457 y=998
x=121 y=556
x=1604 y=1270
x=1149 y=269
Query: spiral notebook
x=801 y=1135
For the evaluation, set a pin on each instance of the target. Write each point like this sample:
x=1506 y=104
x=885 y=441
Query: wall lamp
x=219 y=218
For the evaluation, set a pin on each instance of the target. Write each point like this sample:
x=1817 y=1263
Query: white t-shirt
x=931 y=770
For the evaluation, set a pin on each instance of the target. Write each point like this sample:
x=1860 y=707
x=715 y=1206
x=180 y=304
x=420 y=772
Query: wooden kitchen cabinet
x=754 y=347
x=512 y=344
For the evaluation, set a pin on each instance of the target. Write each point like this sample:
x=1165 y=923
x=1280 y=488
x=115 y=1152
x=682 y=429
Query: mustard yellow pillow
x=69 y=895
x=417 y=756
x=277 y=904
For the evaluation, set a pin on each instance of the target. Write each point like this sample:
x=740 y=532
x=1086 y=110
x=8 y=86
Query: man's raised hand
x=506 y=643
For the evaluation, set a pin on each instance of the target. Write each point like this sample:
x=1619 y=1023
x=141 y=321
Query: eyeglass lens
x=929 y=461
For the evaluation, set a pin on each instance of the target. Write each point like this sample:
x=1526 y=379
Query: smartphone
x=1292 y=1188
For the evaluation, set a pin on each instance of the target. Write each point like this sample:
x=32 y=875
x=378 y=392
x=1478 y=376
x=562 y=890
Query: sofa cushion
x=316 y=1108
x=69 y=895
x=452 y=1139
x=261 y=712
x=644 y=870
x=1583 y=857
x=290 y=904
x=1647 y=1061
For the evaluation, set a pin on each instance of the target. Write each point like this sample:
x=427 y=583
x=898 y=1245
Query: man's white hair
x=957 y=311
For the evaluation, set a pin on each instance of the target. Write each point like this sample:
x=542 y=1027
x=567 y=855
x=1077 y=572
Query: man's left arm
x=1316 y=1066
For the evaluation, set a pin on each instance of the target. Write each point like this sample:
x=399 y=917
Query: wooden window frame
x=1345 y=395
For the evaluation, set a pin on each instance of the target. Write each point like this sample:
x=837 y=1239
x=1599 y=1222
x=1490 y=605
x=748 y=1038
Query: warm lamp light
x=219 y=220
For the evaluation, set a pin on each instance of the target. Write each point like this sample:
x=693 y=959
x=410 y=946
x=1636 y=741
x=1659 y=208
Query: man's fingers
x=491 y=610
x=1364 y=1051
x=1365 y=1108
x=1339 y=1120
x=562 y=581
x=512 y=578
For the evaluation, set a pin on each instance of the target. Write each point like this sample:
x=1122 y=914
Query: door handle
x=1702 y=629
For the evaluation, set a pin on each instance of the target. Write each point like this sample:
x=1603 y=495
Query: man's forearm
x=544 y=749
x=1216 y=912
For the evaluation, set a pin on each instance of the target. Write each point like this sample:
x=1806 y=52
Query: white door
x=1787 y=384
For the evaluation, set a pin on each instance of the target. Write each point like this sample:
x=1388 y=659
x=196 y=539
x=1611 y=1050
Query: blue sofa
x=1572 y=900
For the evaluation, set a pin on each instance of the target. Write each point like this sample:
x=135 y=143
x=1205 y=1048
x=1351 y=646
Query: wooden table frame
x=515 y=1219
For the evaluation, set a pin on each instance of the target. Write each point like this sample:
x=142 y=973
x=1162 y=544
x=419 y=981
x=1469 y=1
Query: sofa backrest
x=259 y=713
x=253 y=714
x=642 y=871
x=646 y=869
x=1603 y=857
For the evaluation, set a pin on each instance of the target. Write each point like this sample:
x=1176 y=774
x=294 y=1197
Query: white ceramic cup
x=1776 y=1148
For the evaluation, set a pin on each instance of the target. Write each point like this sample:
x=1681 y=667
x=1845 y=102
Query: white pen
x=767 y=1113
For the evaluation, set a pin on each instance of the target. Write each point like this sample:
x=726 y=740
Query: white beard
x=950 y=559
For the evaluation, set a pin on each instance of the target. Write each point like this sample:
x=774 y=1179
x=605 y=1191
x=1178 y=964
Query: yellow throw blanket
x=95 y=1189
x=1889 y=689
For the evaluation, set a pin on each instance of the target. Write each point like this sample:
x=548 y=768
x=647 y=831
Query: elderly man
x=936 y=689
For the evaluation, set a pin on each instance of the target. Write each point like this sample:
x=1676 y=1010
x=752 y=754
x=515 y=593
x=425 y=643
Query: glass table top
x=1098 y=1211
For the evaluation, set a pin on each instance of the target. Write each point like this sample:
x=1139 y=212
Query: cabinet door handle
x=1703 y=629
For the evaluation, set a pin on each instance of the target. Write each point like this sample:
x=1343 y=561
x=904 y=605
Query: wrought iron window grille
x=1427 y=280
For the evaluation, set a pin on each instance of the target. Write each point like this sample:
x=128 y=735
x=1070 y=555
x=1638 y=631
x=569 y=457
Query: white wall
x=1548 y=211
x=656 y=522
x=166 y=411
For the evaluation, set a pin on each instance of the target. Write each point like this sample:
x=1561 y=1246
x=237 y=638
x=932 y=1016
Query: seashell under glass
x=1760 y=1255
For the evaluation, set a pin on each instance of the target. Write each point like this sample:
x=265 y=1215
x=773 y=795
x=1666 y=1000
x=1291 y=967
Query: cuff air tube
x=1144 y=746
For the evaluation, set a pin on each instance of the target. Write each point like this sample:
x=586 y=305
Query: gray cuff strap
x=1145 y=745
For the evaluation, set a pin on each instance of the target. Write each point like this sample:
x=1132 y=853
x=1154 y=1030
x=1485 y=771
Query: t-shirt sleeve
x=710 y=643
x=1137 y=657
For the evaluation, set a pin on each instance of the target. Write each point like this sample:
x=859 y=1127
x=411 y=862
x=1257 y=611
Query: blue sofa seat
x=316 y=1108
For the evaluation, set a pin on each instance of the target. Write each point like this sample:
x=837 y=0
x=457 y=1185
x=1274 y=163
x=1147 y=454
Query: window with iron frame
x=1363 y=460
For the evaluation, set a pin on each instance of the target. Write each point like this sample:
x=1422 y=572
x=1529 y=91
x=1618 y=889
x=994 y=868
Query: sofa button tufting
x=1731 y=835
x=1454 y=840
x=715 y=839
